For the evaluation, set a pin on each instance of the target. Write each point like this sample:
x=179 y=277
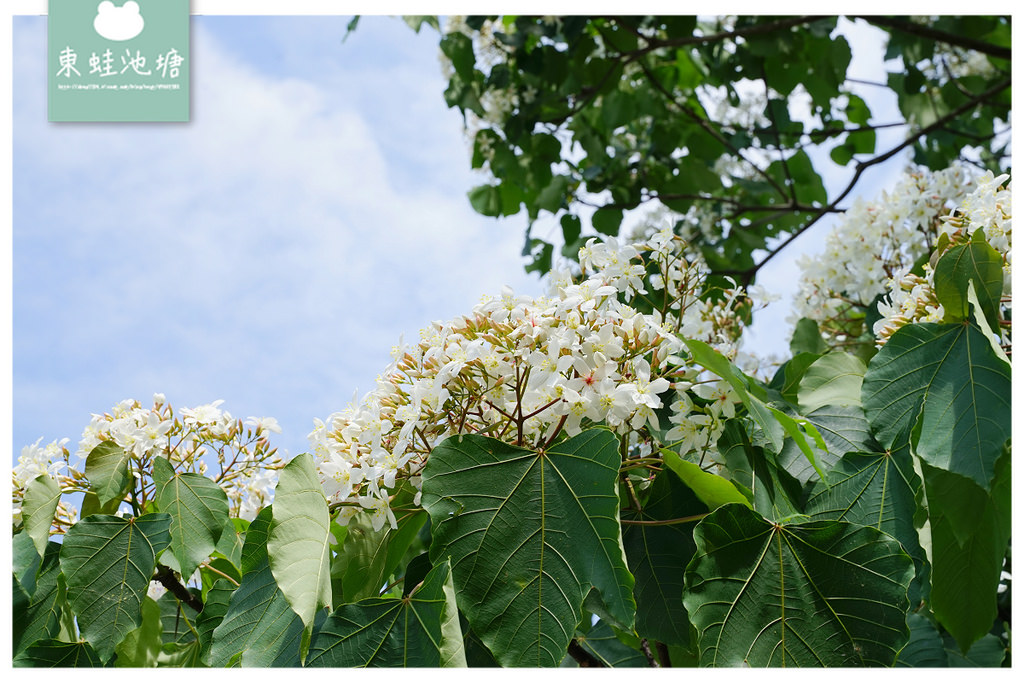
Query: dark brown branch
x=916 y=29
x=582 y=657
x=165 y=575
x=645 y=647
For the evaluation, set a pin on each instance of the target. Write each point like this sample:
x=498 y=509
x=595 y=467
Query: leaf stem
x=666 y=522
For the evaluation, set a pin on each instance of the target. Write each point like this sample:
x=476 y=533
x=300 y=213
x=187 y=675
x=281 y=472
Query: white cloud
x=269 y=253
x=118 y=23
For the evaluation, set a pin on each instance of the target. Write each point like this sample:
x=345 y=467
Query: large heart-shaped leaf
x=945 y=382
x=529 y=533
x=873 y=489
x=656 y=553
x=198 y=509
x=259 y=627
x=54 y=653
x=299 y=541
x=108 y=563
x=106 y=467
x=42 y=495
x=418 y=630
x=812 y=594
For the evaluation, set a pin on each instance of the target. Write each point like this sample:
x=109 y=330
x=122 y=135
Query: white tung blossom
x=875 y=241
x=525 y=369
x=911 y=298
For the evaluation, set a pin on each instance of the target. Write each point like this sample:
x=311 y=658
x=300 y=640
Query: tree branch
x=582 y=657
x=165 y=575
x=905 y=26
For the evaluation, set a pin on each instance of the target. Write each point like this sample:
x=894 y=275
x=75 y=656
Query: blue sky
x=271 y=251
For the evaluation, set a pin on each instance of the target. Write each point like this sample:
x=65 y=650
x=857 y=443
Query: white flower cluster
x=525 y=370
x=35 y=461
x=873 y=242
x=912 y=297
x=195 y=440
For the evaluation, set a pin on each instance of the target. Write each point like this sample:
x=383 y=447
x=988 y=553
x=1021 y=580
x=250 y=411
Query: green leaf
x=214 y=608
x=656 y=553
x=601 y=642
x=877 y=490
x=712 y=489
x=459 y=49
x=606 y=220
x=529 y=533
x=199 y=512
x=25 y=560
x=254 y=549
x=833 y=380
x=807 y=338
x=177 y=619
x=108 y=563
x=924 y=649
x=970 y=530
x=787 y=379
x=259 y=624
x=38 y=618
x=842 y=154
x=947 y=377
x=772 y=491
x=259 y=627
x=54 y=653
x=42 y=495
x=975 y=262
x=180 y=655
x=141 y=647
x=812 y=594
x=988 y=652
x=421 y=630
x=844 y=429
x=710 y=359
x=486 y=200
x=367 y=558
x=106 y=467
x=299 y=541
